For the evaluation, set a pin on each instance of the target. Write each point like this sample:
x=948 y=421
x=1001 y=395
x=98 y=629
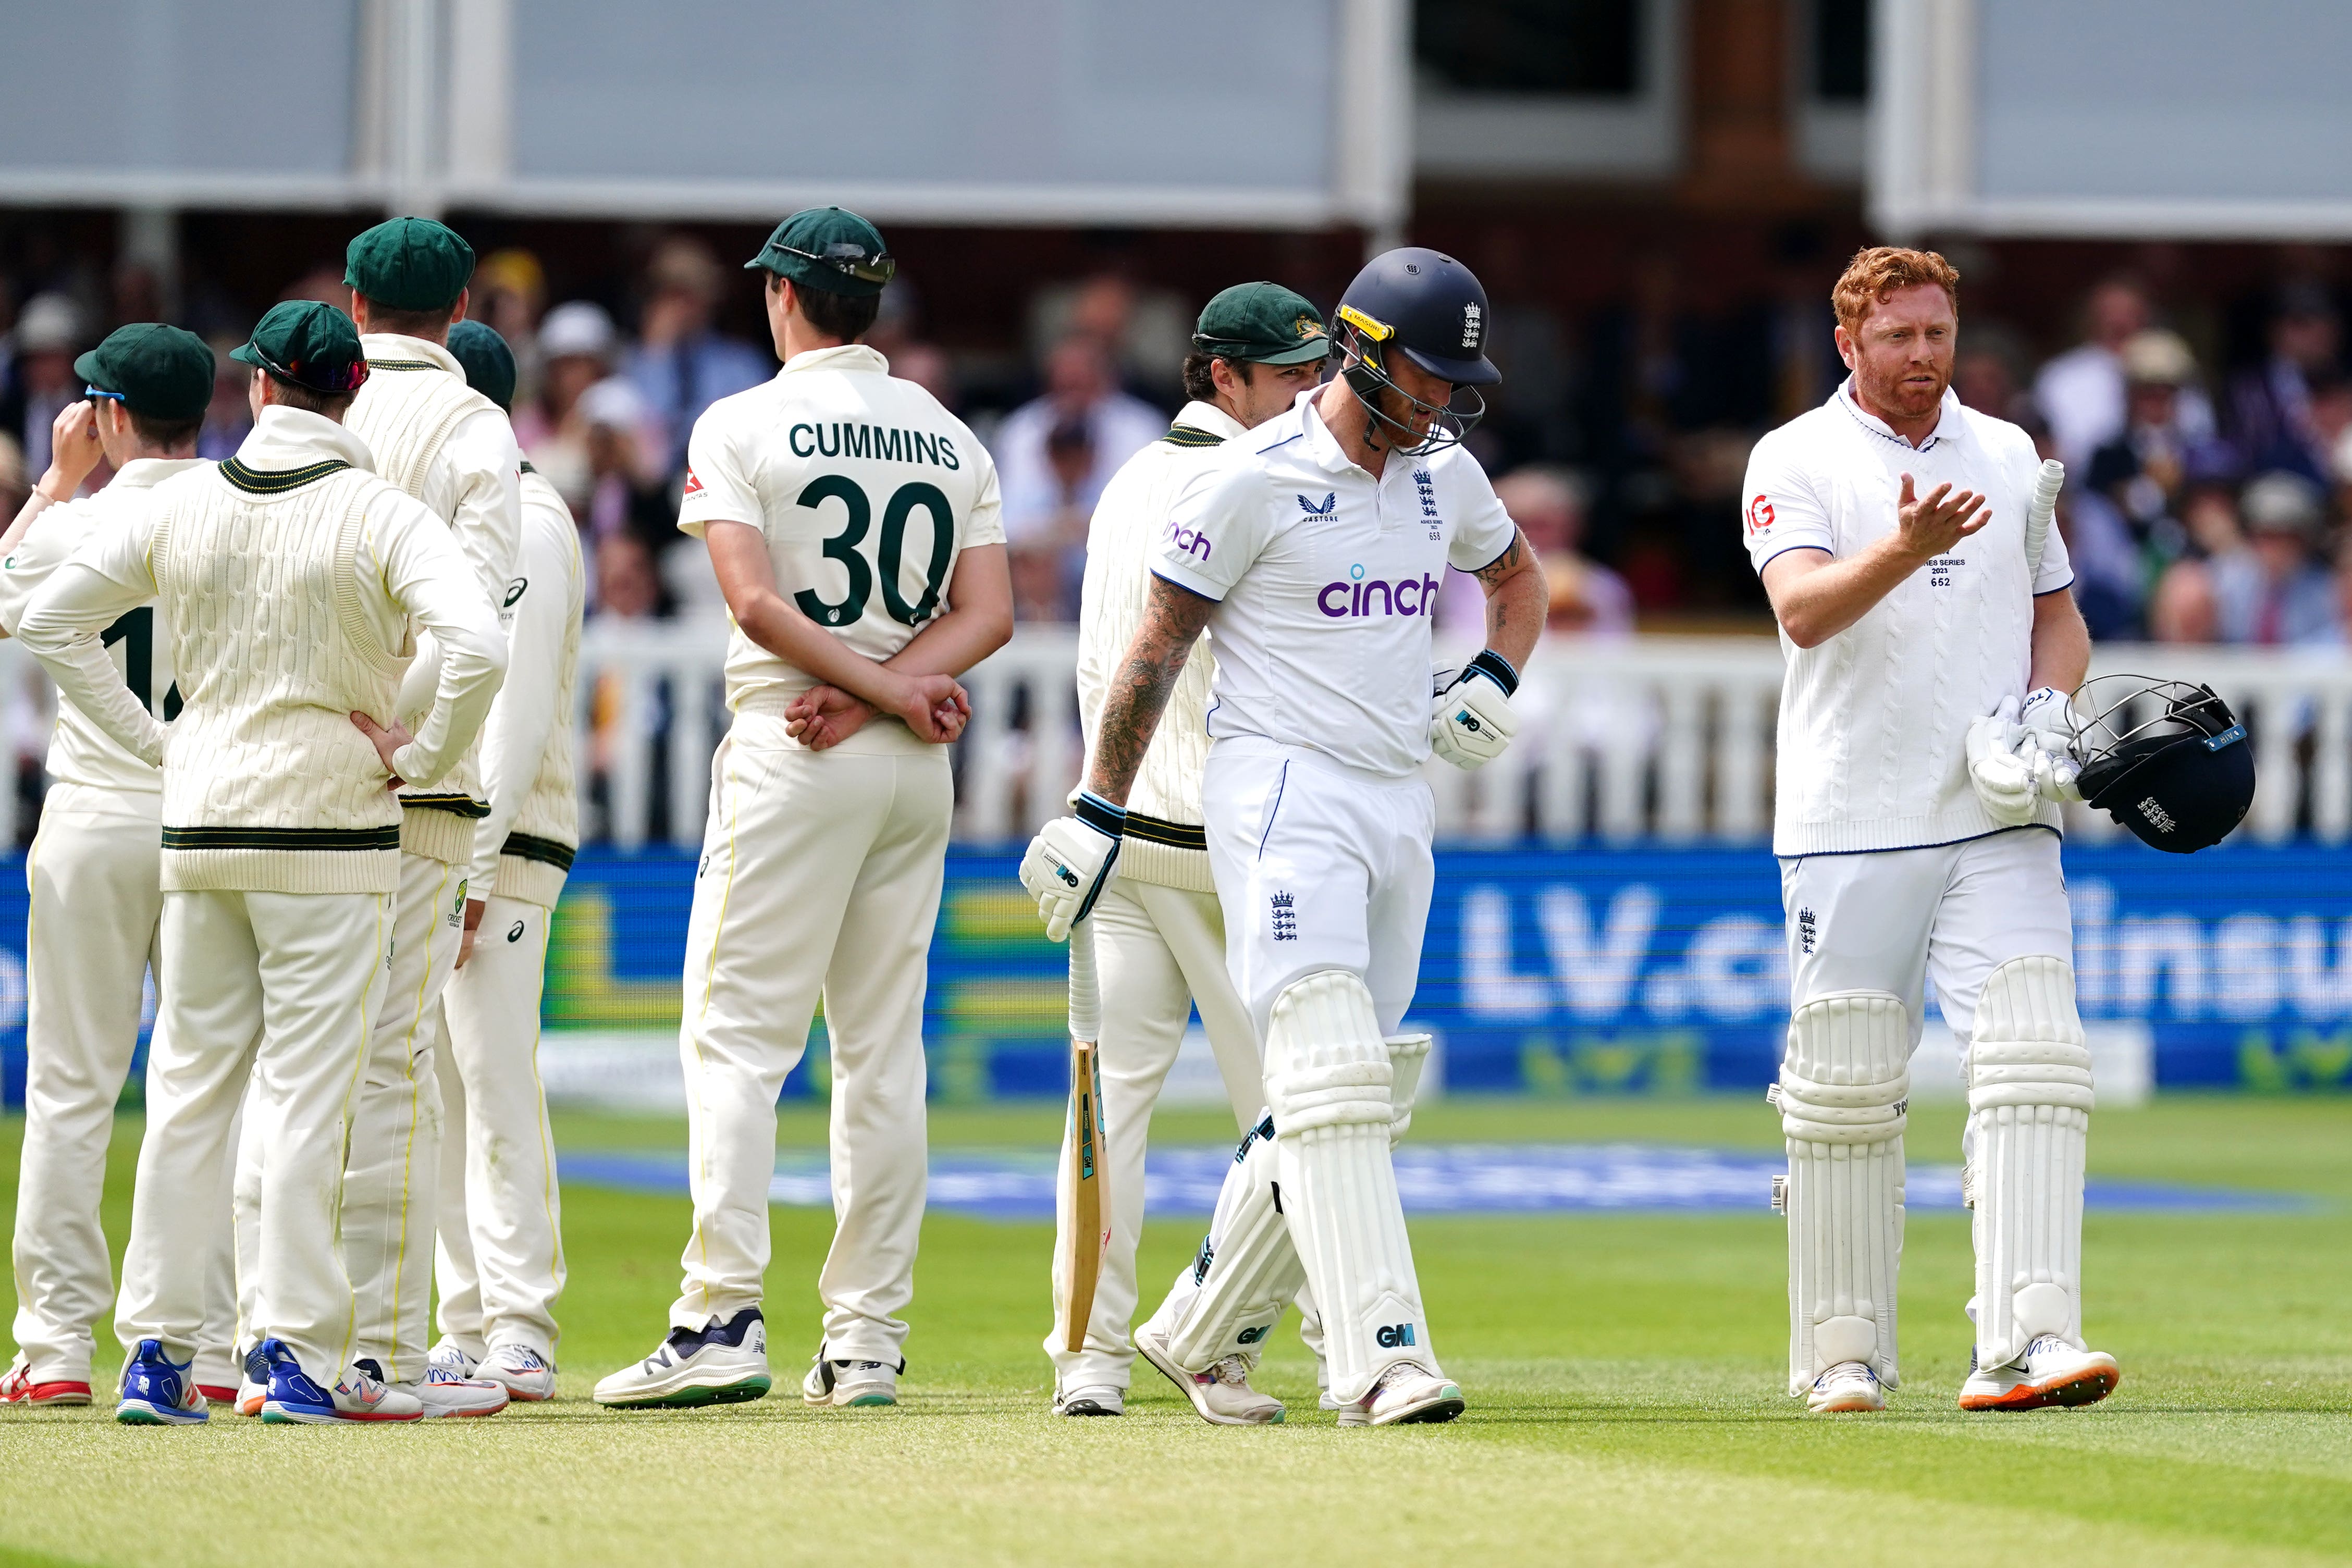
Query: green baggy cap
x=409 y=264
x=1263 y=324
x=160 y=371
x=488 y=363
x=310 y=344
x=830 y=249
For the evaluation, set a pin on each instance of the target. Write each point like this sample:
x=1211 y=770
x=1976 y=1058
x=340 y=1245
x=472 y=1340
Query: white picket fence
x=1661 y=738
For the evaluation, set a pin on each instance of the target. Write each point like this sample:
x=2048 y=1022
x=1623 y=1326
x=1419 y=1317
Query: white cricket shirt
x=866 y=491
x=1326 y=580
x=81 y=751
x=1874 y=721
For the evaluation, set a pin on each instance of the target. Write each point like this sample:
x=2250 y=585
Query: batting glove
x=2003 y=776
x=2048 y=718
x=1473 y=721
x=1070 y=860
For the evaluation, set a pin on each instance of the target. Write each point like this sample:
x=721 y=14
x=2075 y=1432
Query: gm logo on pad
x=1394 y=1336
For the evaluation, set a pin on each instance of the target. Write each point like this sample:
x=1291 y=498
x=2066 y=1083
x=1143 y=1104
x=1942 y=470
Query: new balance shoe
x=521 y=1371
x=850 y=1385
x=19 y=1386
x=2050 y=1372
x=1409 y=1392
x=1099 y=1399
x=250 y=1396
x=443 y=1391
x=451 y=1356
x=296 y=1398
x=719 y=1363
x=1849 y=1386
x=1221 y=1396
x=158 y=1391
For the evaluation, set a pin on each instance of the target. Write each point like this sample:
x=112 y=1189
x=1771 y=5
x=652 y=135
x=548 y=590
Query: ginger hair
x=1878 y=271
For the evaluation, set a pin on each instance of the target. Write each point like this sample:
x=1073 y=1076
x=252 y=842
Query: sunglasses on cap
x=334 y=378
x=94 y=393
x=851 y=260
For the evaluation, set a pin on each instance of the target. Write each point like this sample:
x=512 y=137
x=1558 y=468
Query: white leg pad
x=1329 y=1084
x=1247 y=1272
x=2030 y=1105
x=1844 y=1087
x=1408 y=1054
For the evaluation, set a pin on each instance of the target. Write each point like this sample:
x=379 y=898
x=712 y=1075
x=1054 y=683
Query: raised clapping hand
x=385 y=741
x=1931 y=524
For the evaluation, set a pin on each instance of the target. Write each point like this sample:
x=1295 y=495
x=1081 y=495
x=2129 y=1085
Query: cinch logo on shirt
x=1192 y=541
x=1342 y=601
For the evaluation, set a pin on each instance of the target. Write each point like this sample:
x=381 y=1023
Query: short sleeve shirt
x=866 y=491
x=1326 y=580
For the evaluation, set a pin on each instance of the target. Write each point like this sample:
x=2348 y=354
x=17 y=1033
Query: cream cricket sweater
x=525 y=845
x=1164 y=841
x=450 y=448
x=290 y=575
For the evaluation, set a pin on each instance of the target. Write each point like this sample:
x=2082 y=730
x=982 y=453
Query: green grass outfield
x=1624 y=1374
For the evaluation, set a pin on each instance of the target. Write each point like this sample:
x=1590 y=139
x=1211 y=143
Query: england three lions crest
x=1473 y=323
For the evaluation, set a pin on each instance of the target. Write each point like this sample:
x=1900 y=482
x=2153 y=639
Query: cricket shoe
x=451 y=1356
x=158 y=1391
x=251 y=1396
x=1849 y=1385
x=719 y=1363
x=521 y=1371
x=1352 y=1411
x=1408 y=1392
x=19 y=1386
x=1222 y=1395
x=2051 y=1371
x=295 y=1399
x=848 y=1384
x=221 y=1393
x=447 y=1392
x=1096 y=1399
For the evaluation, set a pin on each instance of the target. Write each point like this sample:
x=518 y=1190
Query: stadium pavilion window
x=1840 y=51
x=1585 y=47
x=1831 y=103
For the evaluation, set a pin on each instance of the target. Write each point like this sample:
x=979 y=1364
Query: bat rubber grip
x=1086 y=993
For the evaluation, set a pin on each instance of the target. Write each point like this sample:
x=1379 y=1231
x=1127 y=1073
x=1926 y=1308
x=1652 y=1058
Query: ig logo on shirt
x=1759 y=517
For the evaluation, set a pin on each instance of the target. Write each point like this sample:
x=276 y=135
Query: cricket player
x=500 y=1258
x=290 y=576
x=854 y=525
x=1159 y=935
x=452 y=448
x=1916 y=822
x=93 y=875
x=1313 y=555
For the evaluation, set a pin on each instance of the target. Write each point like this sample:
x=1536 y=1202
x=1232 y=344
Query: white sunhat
x=576 y=327
x=49 y=324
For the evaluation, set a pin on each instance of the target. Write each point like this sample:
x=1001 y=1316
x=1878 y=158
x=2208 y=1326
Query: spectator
x=41 y=380
x=895 y=337
x=2081 y=393
x=2273 y=593
x=622 y=497
x=627 y=586
x=2183 y=608
x=1145 y=332
x=1988 y=374
x=229 y=417
x=2132 y=500
x=1049 y=562
x=576 y=346
x=1587 y=598
x=2271 y=405
x=681 y=366
x=510 y=292
x=1078 y=389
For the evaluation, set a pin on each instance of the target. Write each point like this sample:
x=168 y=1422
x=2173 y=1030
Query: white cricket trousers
x=1159 y=952
x=278 y=990
x=90 y=935
x=820 y=876
x=500 y=1263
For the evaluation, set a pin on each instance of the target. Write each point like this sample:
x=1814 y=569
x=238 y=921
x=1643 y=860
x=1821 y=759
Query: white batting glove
x=2048 y=719
x=1472 y=721
x=1070 y=860
x=2003 y=776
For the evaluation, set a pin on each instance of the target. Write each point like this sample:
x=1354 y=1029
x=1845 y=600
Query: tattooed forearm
x=1517 y=598
x=1140 y=688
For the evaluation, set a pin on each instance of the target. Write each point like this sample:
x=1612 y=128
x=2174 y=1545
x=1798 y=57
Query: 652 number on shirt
x=888 y=564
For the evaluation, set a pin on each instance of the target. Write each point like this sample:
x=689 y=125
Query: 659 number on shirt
x=889 y=550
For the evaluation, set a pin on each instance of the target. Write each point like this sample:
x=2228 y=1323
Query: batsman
x=1924 y=744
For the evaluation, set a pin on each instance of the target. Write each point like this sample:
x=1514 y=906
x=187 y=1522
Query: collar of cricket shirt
x=398 y=351
x=1948 y=424
x=1208 y=416
x=146 y=472
x=1325 y=446
x=840 y=357
x=286 y=438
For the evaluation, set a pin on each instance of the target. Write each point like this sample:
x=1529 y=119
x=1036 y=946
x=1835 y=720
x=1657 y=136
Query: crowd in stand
x=2208 y=485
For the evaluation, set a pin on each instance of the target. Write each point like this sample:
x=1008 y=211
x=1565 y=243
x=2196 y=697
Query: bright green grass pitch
x=1623 y=1373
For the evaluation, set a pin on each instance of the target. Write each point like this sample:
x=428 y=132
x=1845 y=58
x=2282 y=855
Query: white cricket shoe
x=1222 y=1395
x=1849 y=1385
x=524 y=1373
x=719 y=1363
x=2051 y=1371
x=1095 y=1400
x=451 y=1357
x=1409 y=1392
x=851 y=1385
x=250 y=1396
x=443 y=1391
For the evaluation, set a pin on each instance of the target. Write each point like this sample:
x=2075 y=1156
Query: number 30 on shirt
x=888 y=567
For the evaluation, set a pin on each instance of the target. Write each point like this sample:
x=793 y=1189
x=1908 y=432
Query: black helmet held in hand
x=2166 y=760
x=1429 y=308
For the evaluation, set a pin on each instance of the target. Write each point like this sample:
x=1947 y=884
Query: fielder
x=853 y=523
x=290 y=576
x=93 y=875
x=501 y=1259
x=1158 y=931
x=1313 y=555
x=1916 y=822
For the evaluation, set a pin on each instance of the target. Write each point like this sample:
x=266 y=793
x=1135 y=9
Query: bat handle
x=2046 y=486
x=1086 y=994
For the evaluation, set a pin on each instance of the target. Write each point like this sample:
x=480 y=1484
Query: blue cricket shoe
x=158 y=1391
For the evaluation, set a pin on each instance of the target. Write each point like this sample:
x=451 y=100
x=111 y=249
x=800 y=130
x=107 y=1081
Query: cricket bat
x=2046 y=486
x=1088 y=1235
